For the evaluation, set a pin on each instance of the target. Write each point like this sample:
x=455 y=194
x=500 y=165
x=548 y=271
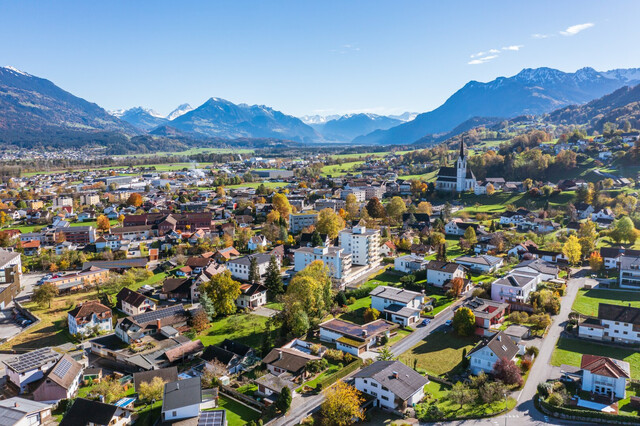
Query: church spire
x=461 y=147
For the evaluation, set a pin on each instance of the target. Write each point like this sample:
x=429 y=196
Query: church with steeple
x=456 y=179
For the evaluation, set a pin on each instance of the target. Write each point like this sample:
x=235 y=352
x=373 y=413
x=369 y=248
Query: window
x=374 y=385
x=374 y=394
x=385 y=389
x=385 y=398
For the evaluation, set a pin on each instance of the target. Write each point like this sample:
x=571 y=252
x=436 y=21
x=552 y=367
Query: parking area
x=11 y=324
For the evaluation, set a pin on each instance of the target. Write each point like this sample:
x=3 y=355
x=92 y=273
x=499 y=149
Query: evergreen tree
x=254 y=273
x=273 y=279
x=284 y=400
x=316 y=239
x=207 y=306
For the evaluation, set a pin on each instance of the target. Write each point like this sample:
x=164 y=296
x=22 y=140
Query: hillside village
x=424 y=285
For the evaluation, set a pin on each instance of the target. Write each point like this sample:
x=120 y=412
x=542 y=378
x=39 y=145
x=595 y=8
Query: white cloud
x=575 y=29
x=488 y=52
x=541 y=36
x=482 y=60
x=513 y=48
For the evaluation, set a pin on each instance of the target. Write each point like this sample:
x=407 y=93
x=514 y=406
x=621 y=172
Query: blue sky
x=306 y=57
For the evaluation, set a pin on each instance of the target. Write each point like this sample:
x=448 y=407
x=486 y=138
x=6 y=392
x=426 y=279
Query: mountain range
x=34 y=111
x=532 y=91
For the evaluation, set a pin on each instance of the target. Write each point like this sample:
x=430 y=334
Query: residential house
x=353 y=338
x=629 y=272
x=515 y=287
x=178 y=289
x=61 y=382
x=181 y=399
x=90 y=317
x=604 y=376
x=483 y=264
x=253 y=296
x=484 y=356
x=31 y=248
x=257 y=242
x=584 y=210
x=611 y=256
x=614 y=323
x=290 y=361
x=397 y=305
x=488 y=314
x=168 y=374
x=388 y=249
x=94 y=413
x=336 y=259
x=545 y=270
x=18 y=411
x=393 y=385
x=241 y=266
x=409 y=263
x=457 y=227
x=133 y=303
x=439 y=273
x=30 y=367
x=226 y=254
x=234 y=356
x=88 y=277
x=134 y=327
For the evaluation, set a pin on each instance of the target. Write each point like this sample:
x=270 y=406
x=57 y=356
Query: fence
x=334 y=377
x=242 y=398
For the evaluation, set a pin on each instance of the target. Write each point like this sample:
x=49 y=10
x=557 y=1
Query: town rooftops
x=65 y=371
x=603 y=366
x=484 y=259
x=395 y=376
x=32 y=360
x=516 y=279
x=395 y=294
x=484 y=308
x=246 y=260
x=13 y=410
x=619 y=313
x=355 y=331
x=449 y=267
x=539 y=265
x=85 y=411
x=288 y=359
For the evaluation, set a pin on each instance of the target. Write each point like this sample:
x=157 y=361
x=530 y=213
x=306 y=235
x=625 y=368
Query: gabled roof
x=288 y=359
x=182 y=393
x=84 y=411
x=90 y=308
x=64 y=373
x=619 y=313
x=169 y=374
x=131 y=297
x=395 y=294
x=395 y=376
x=501 y=345
x=603 y=366
x=449 y=267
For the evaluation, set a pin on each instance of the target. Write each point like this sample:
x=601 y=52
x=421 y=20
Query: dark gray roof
x=169 y=374
x=396 y=294
x=539 y=265
x=501 y=345
x=484 y=259
x=32 y=360
x=407 y=383
x=619 y=313
x=182 y=393
x=515 y=280
x=246 y=260
x=626 y=262
x=84 y=411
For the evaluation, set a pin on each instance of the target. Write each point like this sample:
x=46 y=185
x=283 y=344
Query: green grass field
x=237 y=414
x=257 y=184
x=244 y=328
x=588 y=301
x=426 y=177
x=336 y=170
x=439 y=353
x=569 y=351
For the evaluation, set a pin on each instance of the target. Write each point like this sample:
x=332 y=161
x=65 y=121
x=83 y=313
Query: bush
x=556 y=400
x=544 y=389
x=351 y=300
x=518 y=317
x=525 y=365
x=334 y=355
x=532 y=351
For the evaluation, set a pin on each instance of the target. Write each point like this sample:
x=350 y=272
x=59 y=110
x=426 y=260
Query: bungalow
x=353 y=338
x=61 y=382
x=398 y=305
x=392 y=384
x=90 y=317
x=95 y=413
x=483 y=264
x=409 y=263
x=289 y=361
x=484 y=356
x=604 y=376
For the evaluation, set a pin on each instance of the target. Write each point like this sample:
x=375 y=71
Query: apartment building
x=363 y=244
x=630 y=272
x=299 y=221
x=338 y=262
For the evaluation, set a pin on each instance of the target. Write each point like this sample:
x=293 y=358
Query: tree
x=223 y=291
x=490 y=189
x=330 y=223
x=102 y=223
x=207 y=306
x=457 y=285
x=254 y=272
x=385 y=354
x=492 y=391
x=461 y=394
x=316 y=239
x=244 y=236
x=199 y=320
x=623 y=230
x=470 y=236
x=587 y=235
x=281 y=204
x=352 y=206
x=375 y=209
x=425 y=207
x=371 y=314
x=464 y=322
x=572 y=250
x=135 y=200
x=152 y=391
x=341 y=406
x=284 y=400
x=111 y=389
x=595 y=261
x=506 y=370
x=44 y=294
x=395 y=208
x=273 y=279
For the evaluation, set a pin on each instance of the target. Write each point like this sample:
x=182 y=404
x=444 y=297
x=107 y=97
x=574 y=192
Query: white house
x=392 y=384
x=614 y=323
x=484 y=356
x=545 y=270
x=181 y=399
x=604 y=376
x=133 y=303
x=88 y=317
x=397 y=305
x=353 y=338
x=253 y=296
x=603 y=213
x=241 y=266
x=439 y=273
x=482 y=264
x=514 y=287
x=31 y=366
x=630 y=272
x=256 y=242
x=409 y=263
x=457 y=227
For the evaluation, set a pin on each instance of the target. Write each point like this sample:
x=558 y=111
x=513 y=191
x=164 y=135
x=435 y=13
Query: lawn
x=426 y=177
x=320 y=377
x=401 y=333
x=385 y=278
x=237 y=414
x=244 y=328
x=569 y=351
x=588 y=300
x=439 y=353
x=257 y=184
x=340 y=169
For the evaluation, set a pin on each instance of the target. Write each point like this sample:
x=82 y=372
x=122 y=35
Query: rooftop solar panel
x=212 y=418
x=157 y=314
x=62 y=368
x=33 y=359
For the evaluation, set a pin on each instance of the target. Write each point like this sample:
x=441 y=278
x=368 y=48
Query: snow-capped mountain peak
x=180 y=110
x=16 y=70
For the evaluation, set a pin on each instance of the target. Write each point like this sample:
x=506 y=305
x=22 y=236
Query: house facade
x=393 y=385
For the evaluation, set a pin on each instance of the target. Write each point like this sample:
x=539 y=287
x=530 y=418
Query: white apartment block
x=338 y=262
x=89 y=199
x=363 y=244
x=299 y=221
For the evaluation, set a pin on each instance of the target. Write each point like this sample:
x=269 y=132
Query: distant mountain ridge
x=531 y=91
x=348 y=126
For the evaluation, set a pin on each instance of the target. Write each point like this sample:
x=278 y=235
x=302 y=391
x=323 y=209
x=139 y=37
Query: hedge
x=583 y=414
x=334 y=377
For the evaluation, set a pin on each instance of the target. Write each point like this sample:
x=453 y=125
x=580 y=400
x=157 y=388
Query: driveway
x=264 y=312
x=28 y=282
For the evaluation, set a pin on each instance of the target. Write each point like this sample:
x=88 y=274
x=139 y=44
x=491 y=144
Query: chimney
x=159 y=324
x=177 y=385
x=364 y=333
x=394 y=374
x=279 y=354
x=15 y=404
